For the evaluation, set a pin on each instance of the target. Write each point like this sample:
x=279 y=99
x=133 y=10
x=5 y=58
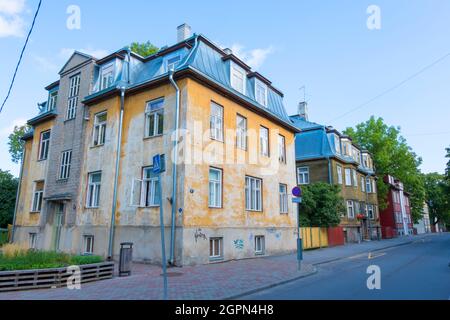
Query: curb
x=246 y=293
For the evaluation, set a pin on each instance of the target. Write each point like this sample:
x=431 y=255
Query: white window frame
x=264 y=141
x=303 y=175
x=363 y=184
x=283 y=198
x=348 y=177
x=281 y=149
x=144 y=191
x=170 y=64
x=253 y=194
x=350 y=209
x=339 y=174
x=66 y=161
x=155 y=115
x=52 y=100
x=371 y=211
x=107 y=73
x=237 y=72
x=261 y=97
x=355 y=178
x=368 y=185
x=36 y=202
x=88 y=245
x=93 y=190
x=241 y=132
x=374 y=186
x=212 y=248
x=216 y=121
x=99 y=130
x=74 y=91
x=32 y=241
x=215 y=189
x=260 y=245
x=337 y=143
x=44 y=145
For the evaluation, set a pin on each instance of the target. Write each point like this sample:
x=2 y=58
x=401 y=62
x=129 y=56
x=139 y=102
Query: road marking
x=377 y=255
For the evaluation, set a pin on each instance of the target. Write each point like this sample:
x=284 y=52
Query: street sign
x=297 y=192
x=157 y=164
x=296 y=200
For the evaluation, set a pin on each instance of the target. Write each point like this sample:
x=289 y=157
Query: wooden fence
x=314 y=238
x=52 y=278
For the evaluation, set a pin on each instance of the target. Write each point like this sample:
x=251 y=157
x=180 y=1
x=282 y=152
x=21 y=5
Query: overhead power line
x=394 y=87
x=21 y=55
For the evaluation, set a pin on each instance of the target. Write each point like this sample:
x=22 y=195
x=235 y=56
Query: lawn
x=27 y=259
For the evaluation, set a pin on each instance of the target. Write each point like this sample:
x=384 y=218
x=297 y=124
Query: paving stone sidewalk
x=209 y=282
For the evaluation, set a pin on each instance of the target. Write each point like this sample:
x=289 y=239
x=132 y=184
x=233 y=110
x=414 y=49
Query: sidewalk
x=215 y=281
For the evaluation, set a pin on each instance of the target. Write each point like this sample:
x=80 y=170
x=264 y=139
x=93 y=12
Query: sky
x=398 y=70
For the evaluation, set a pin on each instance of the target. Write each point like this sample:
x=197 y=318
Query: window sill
x=97 y=146
x=215 y=259
x=41 y=160
x=62 y=180
x=90 y=208
x=67 y=120
x=148 y=207
x=218 y=140
x=35 y=212
x=254 y=211
x=151 y=137
x=215 y=207
x=259 y=254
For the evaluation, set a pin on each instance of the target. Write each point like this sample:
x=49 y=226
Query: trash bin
x=126 y=257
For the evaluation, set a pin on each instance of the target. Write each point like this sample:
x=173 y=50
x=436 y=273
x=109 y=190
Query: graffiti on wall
x=238 y=244
x=199 y=235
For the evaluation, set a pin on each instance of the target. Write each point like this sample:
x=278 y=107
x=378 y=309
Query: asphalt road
x=415 y=271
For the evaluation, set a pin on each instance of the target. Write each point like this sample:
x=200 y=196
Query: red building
x=396 y=218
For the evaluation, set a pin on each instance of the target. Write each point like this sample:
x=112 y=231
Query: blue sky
x=324 y=46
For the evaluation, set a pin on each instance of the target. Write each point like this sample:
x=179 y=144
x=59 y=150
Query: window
x=216 y=122
x=406 y=201
x=237 y=78
x=154 y=118
x=368 y=185
x=303 y=175
x=374 y=186
x=44 y=145
x=150 y=188
x=215 y=188
x=93 y=194
x=66 y=159
x=173 y=62
x=348 y=177
x=216 y=248
x=37 y=196
x=259 y=245
x=32 y=241
x=363 y=185
x=346 y=147
x=241 y=132
x=355 y=178
x=370 y=211
x=264 y=141
x=339 y=174
x=88 y=245
x=52 y=99
x=283 y=199
x=350 y=209
x=74 y=91
x=107 y=76
x=261 y=92
x=281 y=149
x=99 y=129
x=253 y=195
x=337 y=143
x=366 y=160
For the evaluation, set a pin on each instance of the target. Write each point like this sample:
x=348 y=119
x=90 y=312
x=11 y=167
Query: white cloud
x=11 y=22
x=6 y=131
x=96 y=53
x=45 y=64
x=255 y=57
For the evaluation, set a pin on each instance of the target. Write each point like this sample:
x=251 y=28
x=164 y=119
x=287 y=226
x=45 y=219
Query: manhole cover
x=173 y=274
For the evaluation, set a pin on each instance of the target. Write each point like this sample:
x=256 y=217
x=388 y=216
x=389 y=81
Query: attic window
x=173 y=62
x=107 y=76
x=261 y=92
x=237 y=78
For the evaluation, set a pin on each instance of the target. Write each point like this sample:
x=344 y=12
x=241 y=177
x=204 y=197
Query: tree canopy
x=438 y=198
x=16 y=144
x=8 y=189
x=391 y=155
x=144 y=49
x=321 y=205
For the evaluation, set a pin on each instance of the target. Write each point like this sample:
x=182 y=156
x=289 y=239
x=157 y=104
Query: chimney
x=227 y=51
x=303 y=110
x=183 y=32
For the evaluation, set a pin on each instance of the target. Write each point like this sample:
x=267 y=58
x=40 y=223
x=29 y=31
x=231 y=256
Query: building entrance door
x=58 y=224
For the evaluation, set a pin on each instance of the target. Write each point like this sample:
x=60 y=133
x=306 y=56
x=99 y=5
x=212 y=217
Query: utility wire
x=394 y=87
x=21 y=55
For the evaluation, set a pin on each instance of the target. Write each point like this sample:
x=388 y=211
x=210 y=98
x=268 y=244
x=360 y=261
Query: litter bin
x=126 y=256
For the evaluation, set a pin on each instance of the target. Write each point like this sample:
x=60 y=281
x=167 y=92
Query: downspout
x=116 y=176
x=330 y=177
x=17 y=195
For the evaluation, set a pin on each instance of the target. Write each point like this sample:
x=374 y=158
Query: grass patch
x=28 y=260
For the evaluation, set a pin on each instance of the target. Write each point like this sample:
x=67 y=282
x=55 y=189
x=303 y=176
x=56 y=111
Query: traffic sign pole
x=297 y=198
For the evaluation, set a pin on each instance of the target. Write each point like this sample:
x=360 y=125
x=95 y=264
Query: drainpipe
x=17 y=196
x=174 y=167
x=330 y=177
x=116 y=176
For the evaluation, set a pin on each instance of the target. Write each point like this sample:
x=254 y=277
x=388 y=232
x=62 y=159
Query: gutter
x=116 y=177
x=18 y=195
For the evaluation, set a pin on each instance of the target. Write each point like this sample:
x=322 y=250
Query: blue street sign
x=296 y=200
x=157 y=164
x=297 y=192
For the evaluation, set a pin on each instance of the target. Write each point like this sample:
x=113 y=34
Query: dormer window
x=261 y=92
x=366 y=161
x=237 y=78
x=173 y=62
x=337 y=144
x=107 y=76
x=52 y=98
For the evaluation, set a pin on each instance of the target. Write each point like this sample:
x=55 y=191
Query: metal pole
x=299 y=241
x=163 y=242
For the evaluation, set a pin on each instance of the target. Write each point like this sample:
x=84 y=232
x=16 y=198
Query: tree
x=321 y=205
x=437 y=198
x=16 y=144
x=393 y=156
x=447 y=169
x=8 y=189
x=144 y=49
